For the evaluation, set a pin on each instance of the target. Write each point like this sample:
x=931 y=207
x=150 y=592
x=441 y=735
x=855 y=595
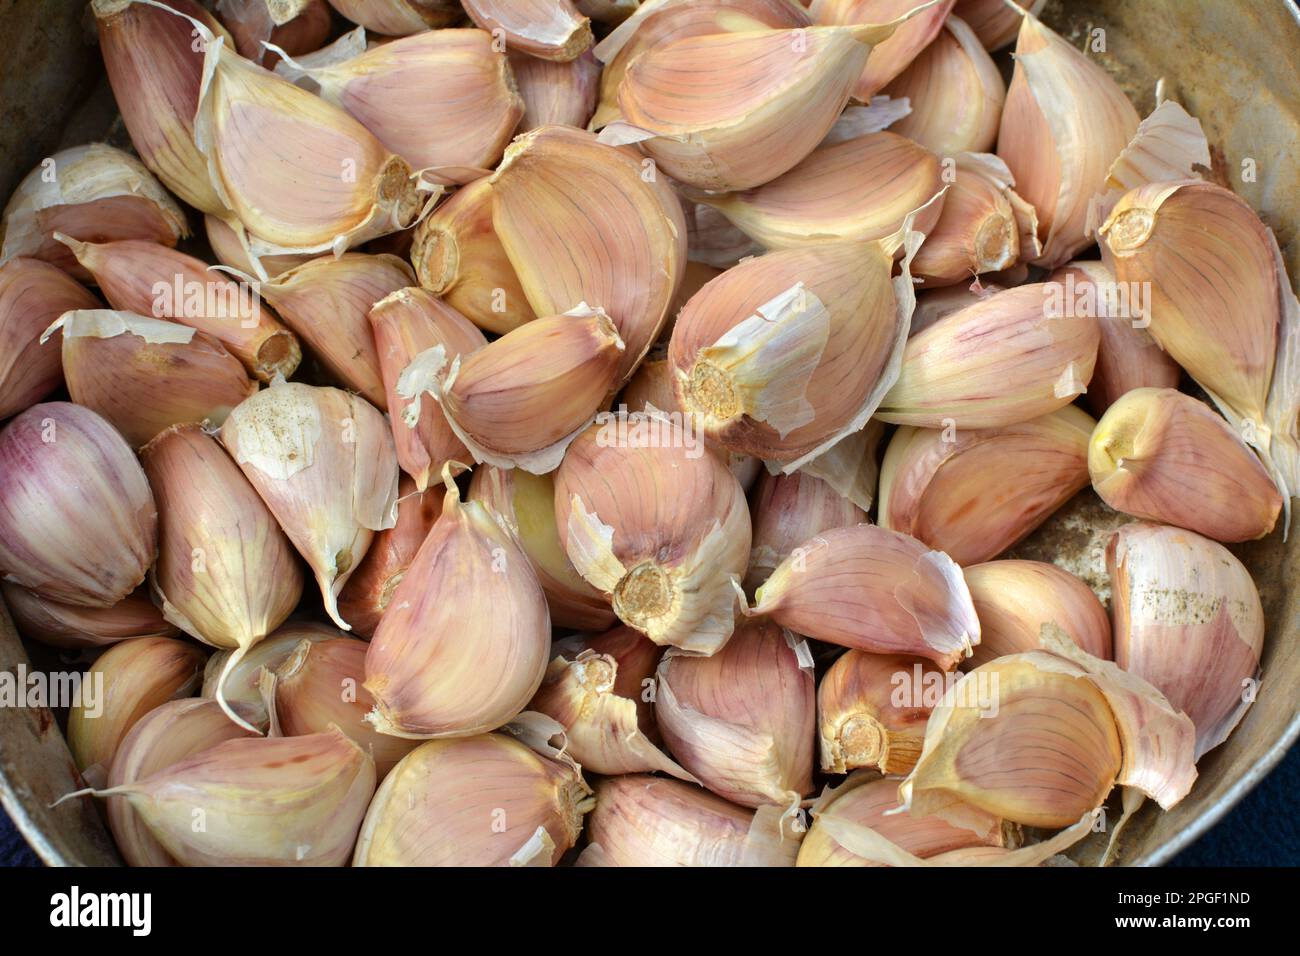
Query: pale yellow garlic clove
x=172 y=731
x=742 y=720
x=865 y=801
x=464 y=643
x=1127 y=356
x=144 y=375
x=94 y=192
x=875 y=590
x=126 y=682
x=893 y=54
x=406 y=323
x=230 y=249
x=1164 y=456
x=602 y=690
x=32 y=295
x=262 y=801
x=649 y=518
x=61 y=459
x=955 y=91
x=858 y=189
x=323 y=461
x=1030 y=361
x=295 y=26
x=583 y=222
x=548 y=29
x=370 y=589
x=152 y=280
x=641 y=820
x=872 y=709
x=442 y=100
x=242 y=685
x=399 y=18
x=978 y=231
x=561 y=94
x=459 y=258
x=1187 y=618
x=787 y=510
x=1064 y=122
x=995 y=22
x=526 y=502
x=520 y=400
x=69 y=626
x=327 y=302
x=478 y=801
x=1014 y=599
x=973 y=494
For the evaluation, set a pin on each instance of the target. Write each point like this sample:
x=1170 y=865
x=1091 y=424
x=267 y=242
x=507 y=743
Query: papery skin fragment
x=296 y=26
x=872 y=709
x=242 y=685
x=787 y=510
x=399 y=18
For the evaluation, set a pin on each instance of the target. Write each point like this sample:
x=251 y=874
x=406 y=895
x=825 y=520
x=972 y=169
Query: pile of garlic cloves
x=536 y=432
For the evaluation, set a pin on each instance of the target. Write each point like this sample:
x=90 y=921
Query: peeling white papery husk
x=787 y=510
x=323 y=461
x=872 y=709
x=851 y=465
x=1015 y=599
x=95 y=192
x=406 y=324
x=955 y=91
x=442 y=100
x=231 y=249
x=586 y=223
x=863 y=802
x=327 y=302
x=713 y=240
x=602 y=690
x=488 y=800
x=144 y=375
x=562 y=94
x=399 y=18
x=526 y=503
x=61 y=459
x=974 y=493
x=264 y=801
x=1187 y=618
x=242 y=686
x=650 y=821
x=1030 y=361
x=1064 y=123
x=32 y=295
x=71 y=627
x=295 y=26
x=893 y=54
x=153 y=280
x=742 y=720
x=996 y=22
x=464 y=643
x=520 y=400
x=648 y=517
x=547 y=29
x=875 y=590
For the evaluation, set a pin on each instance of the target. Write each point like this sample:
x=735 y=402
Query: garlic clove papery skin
x=556 y=94
x=231 y=249
x=399 y=18
x=241 y=687
x=295 y=26
x=788 y=510
x=64 y=460
x=323 y=461
x=893 y=54
x=486 y=800
x=872 y=709
x=71 y=627
x=547 y=29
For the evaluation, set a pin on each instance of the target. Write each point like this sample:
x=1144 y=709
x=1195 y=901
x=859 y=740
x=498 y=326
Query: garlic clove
x=787 y=510
x=548 y=29
x=1163 y=456
x=92 y=191
x=405 y=324
x=1015 y=599
x=611 y=12
x=323 y=461
x=973 y=494
x=1030 y=361
x=556 y=94
x=586 y=223
x=872 y=709
x=32 y=295
x=978 y=231
x=742 y=720
x=242 y=685
x=399 y=18
x=933 y=304
x=996 y=22
x=526 y=502
x=487 y=800
x=459 y=258
x=651 y=821
x=126 y=682
x=61 y=459
x=876 y=590
x=327 y=302
x=172 y=731
x=1063 y=124
x=893 y=54
x=72 y=627
x=469 y=614
x=295 y=26
x=956 y=92
x=649 y=519
x=855 y=190
x=144 y=375
x=231 y=249
x=1187 y=618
